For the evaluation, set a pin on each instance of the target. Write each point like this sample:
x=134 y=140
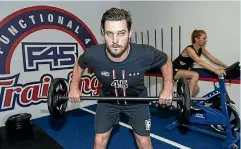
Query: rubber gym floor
x=75 y=131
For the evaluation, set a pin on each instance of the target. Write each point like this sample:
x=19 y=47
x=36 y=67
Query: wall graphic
x=37 y=44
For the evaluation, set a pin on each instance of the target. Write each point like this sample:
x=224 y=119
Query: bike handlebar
x=233 y=71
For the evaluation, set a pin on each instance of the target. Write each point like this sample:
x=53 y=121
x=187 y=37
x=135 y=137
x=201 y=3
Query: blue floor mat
x=76 y=130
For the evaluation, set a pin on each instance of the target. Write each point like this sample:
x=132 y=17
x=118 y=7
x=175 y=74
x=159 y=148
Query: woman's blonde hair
x=196 y=34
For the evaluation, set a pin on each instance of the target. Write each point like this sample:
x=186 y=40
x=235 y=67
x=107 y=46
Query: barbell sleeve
x=65 y=98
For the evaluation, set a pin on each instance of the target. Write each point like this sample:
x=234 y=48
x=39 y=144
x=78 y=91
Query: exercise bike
x=215 y=111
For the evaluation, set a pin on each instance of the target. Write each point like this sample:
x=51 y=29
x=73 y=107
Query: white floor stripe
x=152 y=135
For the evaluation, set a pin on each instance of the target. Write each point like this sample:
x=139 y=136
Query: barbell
x=57 y=98
x=65 y=98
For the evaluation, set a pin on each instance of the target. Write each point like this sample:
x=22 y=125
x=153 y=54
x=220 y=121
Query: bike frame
x=212 y=116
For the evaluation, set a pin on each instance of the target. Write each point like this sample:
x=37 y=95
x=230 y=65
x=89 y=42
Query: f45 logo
x=119 y=83
x=56 y=55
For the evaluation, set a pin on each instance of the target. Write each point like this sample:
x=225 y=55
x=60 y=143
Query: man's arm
x=164 y=63
x=167 y=74
x=79 y=67
x=76 y=76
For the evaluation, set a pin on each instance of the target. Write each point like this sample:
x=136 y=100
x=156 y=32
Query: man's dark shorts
x=108 y=115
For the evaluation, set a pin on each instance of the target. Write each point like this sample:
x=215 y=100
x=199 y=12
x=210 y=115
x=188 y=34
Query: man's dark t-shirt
x=122 y=78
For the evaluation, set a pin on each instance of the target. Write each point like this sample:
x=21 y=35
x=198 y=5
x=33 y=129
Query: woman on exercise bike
x=183 y=64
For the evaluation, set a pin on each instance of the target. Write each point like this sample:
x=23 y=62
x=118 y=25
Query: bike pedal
x=196 y=109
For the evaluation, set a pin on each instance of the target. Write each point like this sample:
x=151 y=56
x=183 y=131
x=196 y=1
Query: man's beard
x=117 y=55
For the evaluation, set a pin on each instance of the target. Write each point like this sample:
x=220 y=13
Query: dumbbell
x=172 y=108
x=155 y=104
x=161 y=106
x=165 y=107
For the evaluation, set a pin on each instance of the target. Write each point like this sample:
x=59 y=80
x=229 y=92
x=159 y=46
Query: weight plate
x=183 y=92
x=57 y=87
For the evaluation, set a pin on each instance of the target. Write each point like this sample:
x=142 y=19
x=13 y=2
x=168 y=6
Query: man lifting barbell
x=120 y=67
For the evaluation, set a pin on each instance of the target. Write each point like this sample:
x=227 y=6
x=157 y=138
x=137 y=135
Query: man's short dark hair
x=116 y=14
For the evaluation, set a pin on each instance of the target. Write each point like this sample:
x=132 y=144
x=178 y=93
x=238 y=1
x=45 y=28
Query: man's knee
x=101 y=140
x=144 y=142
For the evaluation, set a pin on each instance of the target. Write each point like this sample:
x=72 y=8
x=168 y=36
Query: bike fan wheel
x=233 y=118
